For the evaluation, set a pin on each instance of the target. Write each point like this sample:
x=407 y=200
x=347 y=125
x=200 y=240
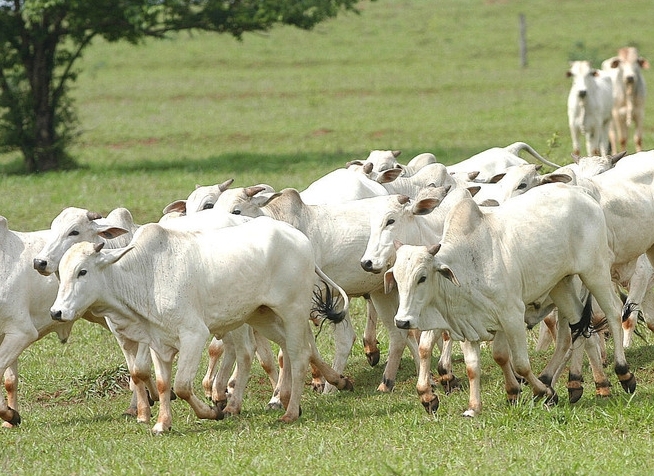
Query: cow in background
x=629 y=93
x=589 y=107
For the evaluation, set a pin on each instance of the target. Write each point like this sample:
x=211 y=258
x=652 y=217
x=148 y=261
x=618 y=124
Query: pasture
x=285 y=108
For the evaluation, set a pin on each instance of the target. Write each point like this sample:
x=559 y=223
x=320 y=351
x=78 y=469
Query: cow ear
x=114 y=255
x=425 y=206
x=643 y=63
x=109 y=232
x=389 y=175
x=389 y=281
x=445 y=271
x=178 y=206
x=474 y=189
x=554 y=178
x=496 y=178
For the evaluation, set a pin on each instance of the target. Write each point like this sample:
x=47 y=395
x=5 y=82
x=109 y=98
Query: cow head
x=75 y=225
x=81 y=279
x=581 y=72
x=418 y=278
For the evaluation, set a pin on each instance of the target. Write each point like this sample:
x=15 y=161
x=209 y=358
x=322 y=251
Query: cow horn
x=98 y=246
x=93 y=215
x=403 y=199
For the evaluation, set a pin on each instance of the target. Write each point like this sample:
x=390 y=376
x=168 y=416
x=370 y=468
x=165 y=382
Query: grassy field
x=284 y=108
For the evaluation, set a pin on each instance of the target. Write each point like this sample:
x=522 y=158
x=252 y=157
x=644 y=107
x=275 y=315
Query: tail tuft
x=325 y=305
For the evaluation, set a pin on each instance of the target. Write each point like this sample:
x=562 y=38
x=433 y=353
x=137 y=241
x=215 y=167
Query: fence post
x=523 y=41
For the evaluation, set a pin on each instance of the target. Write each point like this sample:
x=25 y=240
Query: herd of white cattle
x=481 y=250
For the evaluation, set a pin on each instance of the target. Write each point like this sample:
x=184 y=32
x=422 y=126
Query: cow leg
x=575 y=378
x=244 y=348
x=370 y=342
x=188 y=362
x=222 y=377
x=11 y=387
x=11 y=347
x=547 y=331
x=429 y=400
x=386 y=305
x=611 y=306
x=163 y=368
x=447 y=379
x=593 y=348
x=502 y=357
x=471 y=355
x=344 y=338
x=216 y=350
x=266 y=358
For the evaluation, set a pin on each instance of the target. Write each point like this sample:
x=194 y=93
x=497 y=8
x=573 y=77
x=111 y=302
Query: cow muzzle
x=402 y=323
x=40 y=265
x=582 y=94
x=368 y=266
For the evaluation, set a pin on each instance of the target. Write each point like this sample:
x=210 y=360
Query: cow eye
x=207 y=206
x=236 y=212
x=521 y=186
x=390 y=222
x=73 y=233
x=81 y=273
x=422 y=279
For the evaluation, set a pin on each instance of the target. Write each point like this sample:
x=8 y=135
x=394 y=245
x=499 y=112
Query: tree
x=40 y=40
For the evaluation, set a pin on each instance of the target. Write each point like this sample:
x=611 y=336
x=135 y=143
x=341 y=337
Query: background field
x=284 y=108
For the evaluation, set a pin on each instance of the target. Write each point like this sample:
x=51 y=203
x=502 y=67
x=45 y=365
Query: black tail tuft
x=628 y=309
x=584 y=327
x=325 y=306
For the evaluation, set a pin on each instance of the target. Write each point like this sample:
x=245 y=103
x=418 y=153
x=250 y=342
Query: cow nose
x=582 y=94
x=630 y=79
x=55 y=315
x=366 y=265
x=402 y=324
x=40 y=264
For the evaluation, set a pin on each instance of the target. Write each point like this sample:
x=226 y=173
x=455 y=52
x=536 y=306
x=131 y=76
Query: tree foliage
x=40 y=40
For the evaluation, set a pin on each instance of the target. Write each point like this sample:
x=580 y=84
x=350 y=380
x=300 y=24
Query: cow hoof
x=274 y=405
x=318 y=387
x=450 y=384
x=574 y=394
x=219 y=404
x=552 y=400
x=469 y=413
x=603 y=389
x=15 y=418
x=373 y=358
x=629 y=385
x=130 y=412
x=431 y=406
x=220 y=415
x=348 y=384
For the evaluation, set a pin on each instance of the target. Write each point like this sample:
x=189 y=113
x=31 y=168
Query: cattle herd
x=477 y=251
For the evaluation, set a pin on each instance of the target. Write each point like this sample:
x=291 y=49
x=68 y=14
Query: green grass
x=285 y=108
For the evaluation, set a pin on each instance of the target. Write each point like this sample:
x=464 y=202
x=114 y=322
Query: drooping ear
x=389 y=281
x=178 y=206
x=433 y=249
x=497 y=177
x=474 y=189
x=446 y=272
x=389 y=175
x=112 y=256
x=108 y=231
x=554 y=178
x=643 y=63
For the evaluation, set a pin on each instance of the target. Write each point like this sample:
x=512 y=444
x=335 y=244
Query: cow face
x=81 y=279
x=72 y=225
x=418 y=277
x=581 y=73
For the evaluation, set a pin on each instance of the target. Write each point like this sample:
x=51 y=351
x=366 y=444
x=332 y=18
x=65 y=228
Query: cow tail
x=326 y=303
x=584 y=327
x=518 y=146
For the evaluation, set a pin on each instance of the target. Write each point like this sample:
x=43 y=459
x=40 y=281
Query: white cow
x=194 y=293
x=491 y=263
x=25 y=297
x=339 y=233
x=629 y=93
x=495 y=160
x=589 y=107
